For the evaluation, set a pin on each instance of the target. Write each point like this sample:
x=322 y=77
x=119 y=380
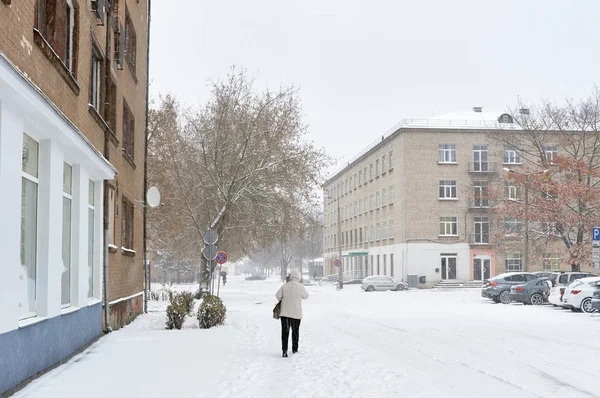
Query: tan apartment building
x=73 y=87
x=416 y=203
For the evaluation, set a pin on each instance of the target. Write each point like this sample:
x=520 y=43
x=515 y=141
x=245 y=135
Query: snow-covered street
x=411 y=344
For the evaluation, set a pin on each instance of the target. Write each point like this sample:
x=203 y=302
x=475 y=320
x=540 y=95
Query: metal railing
x=483 y=167
x=480 y=203
x=479 y=239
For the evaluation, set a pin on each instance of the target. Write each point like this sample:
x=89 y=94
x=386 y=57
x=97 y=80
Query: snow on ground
x=409 y=344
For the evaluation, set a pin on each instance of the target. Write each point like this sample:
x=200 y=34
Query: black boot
x=285 y=354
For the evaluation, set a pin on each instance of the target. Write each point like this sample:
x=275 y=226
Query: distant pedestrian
x=291 y=295
x=224 y=275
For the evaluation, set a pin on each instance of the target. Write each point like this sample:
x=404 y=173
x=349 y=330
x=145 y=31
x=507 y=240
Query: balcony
x=479 y=239
x=480 y=168
x=480 y=203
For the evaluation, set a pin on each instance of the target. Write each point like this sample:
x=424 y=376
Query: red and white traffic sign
x=221 y=258
x=337 y=262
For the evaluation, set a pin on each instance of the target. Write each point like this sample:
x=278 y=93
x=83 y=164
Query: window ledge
x=127 y=252
x=98 y=118
x=23 y=323
x=112 y=248
x=448 y=199
x=448 y=236
x=68 y=310
x=129 y=159
x=49 y=52
x=93 y=301
x=512 y=164
x=450 y=163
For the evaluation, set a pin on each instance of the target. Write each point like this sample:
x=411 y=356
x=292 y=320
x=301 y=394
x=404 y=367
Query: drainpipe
x=146 y=278
x=109 y=11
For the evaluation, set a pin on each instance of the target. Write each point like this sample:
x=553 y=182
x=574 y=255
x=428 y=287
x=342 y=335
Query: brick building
x=416 y=202
x=73 y=95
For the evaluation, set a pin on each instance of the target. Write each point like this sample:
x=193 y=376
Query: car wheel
x=586 y=306
x=370 y=288
x=536 y=299
x=505 y=297
x=399 y=288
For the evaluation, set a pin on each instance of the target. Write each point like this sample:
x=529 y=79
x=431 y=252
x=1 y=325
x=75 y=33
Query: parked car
x=256 y=277
x=596 y=297
x=578 y=295
x=534 y=292
x=560 y=280
x=382 y=282
x=498 y=287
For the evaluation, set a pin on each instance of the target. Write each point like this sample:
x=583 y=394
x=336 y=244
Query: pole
x=341 y=270
x=526 y=267
x=219 y=283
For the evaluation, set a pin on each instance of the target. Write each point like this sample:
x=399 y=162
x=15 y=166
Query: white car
x=578 y=295
x=382 y=282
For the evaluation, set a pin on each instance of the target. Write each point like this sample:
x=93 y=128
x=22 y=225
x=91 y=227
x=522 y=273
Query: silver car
x=382 y=282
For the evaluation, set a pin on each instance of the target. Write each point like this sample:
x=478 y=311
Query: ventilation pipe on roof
x=478 y=109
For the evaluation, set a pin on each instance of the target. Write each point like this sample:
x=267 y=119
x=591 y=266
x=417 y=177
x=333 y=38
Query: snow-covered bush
x=212 y=312
x=181 y=306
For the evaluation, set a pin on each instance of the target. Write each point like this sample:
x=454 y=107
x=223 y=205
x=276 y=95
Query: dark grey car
x=596 y=297
x=534 y=292
x=498 y=287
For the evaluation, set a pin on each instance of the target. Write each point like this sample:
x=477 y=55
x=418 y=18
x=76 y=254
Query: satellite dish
x=153 y=197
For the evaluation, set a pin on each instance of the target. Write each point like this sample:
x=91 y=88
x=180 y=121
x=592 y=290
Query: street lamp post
x=339 y=227
x=526 y=211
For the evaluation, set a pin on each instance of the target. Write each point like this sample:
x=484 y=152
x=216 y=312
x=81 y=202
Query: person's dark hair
x=287 y=278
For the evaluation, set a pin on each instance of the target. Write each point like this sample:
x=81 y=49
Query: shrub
x=212 y=312
x=181 y=306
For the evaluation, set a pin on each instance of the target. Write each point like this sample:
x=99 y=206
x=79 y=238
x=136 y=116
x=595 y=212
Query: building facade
x=417 y=202
x=73 y=81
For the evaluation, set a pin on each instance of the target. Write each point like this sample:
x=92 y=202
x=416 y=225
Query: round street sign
x=210 y=252
x=210 y=237
x=337 y=262
x=221 y=257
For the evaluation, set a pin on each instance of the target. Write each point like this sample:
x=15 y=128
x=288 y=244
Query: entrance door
x=482 y=268
x=448 y=267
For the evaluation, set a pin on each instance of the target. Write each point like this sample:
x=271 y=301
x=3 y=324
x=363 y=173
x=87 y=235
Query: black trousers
x=286 y=324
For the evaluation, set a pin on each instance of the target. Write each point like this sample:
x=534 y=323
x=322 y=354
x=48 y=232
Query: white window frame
x=391 y=229
x=383 y=164
x=376 y=168
x=371 y=172
x=448 y=190
x=384 y=234
x=377 y=231
x=384 y=197
x=91 y=230
x=372 y=202
x=372 y=234
x=551 y=152
x=510 y=260
x=511 y=156
x=553 y=259
x=360 y=177
x=96 y=80
x=391 y=160
x=511 y=190
x=391 y=194
x=512 y=226
x=447 y=154
x=448 y=226
x=377 y=200
x=70 y=30
x=69 y=197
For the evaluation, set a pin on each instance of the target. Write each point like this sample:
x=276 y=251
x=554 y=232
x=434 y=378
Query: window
x=513 y=262
x=377 y=200
x=391 y=157
x=355 y=180
x=66 y=235
x=360 y=178
x=378 y=231
x=29 y=211
x=96 y=80
x=482 y=230
x=480 y=194
x=365 y=174
x=392 y=265
x=129 y=133
x=360 y=206
x=384 y=233
x=383 y=164
x=551 y=152
x=480 y=158
x=377 y=168
x=127 y=224
x=448 y=226
x=512 y=226
x=391 y=194
x=91 y=240
x=372 y=234
x=346 y=186
x=365 y=205
x=130 y=42
x=447 y=153
x=385 y=266
x=551 y=262
x=360 y=235
x=111 y=116
x=384 y=197
x=350 y=183
x=372 y=202
x=447 y=189
x=511 y=156
x=371 y=172
x=378 y=271
x=505 y=118
x=511 y=191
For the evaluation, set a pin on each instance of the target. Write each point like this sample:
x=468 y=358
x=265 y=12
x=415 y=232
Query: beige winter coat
x=291 y=295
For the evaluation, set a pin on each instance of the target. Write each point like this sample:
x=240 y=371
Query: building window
x=360 y=235
x=391 y=194
x=129 y=133
x=447 y=153
x=57 y=23
x=378 y=270
x=482 y=230
x=551 y=262
x=372 y=234
x=360 y=178
x=371 y=172
x=391 y=228
x=448 y=226
x=550 y=152
x=377 y=200
x=480 y=194
x=372 y=202
x=511 y=191
x=91 y=229
x=385 y=264
x=346 y=186
x=505 y=118
x=377 y=168
x=447 y=189
x=96 y=80
x=350 y=184
x=355 y=180
x=513 y=262
x=511 y=156
x=365 y=204
x=480 y=158
x=391 y=156
x=392 y=265
x=29 y=230
x=384 y=197
x=383 y=164
x=384 y=233
x=66 y=235
x=127 y=218
x=111 y=116
x=130 y=41
x=512 y=226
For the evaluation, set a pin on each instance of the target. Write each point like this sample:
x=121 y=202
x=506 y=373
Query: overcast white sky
x=363 y=65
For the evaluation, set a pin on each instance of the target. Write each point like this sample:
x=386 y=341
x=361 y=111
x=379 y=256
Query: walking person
x=291 y=295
